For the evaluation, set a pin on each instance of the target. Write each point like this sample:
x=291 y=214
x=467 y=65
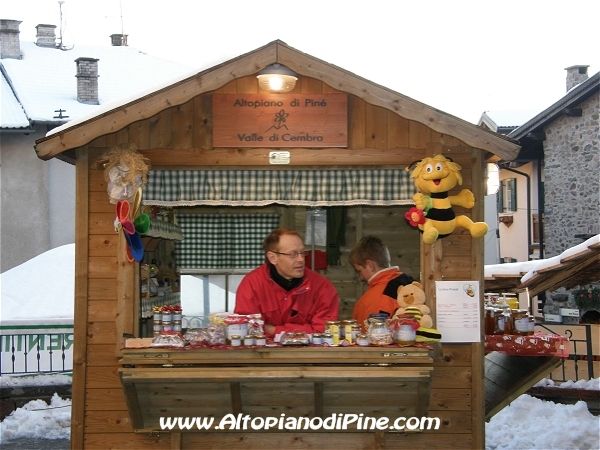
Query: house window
x=507 y=196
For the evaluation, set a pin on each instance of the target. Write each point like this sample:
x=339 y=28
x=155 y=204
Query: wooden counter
x=270 y=382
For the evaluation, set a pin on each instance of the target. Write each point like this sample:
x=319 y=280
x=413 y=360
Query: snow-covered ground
x=530 y=423
x=37 y=419
x=527 y=424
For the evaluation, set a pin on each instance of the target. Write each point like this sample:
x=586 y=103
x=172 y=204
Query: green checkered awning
x=223 y=241
x=286 y=187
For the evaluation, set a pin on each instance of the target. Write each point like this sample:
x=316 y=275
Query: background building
x=44 y=85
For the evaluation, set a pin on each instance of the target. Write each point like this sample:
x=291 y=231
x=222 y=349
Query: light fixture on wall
x=277 y=78
x=492 y=178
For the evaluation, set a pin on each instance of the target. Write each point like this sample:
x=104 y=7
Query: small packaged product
x=294 y=338
x=168 y=339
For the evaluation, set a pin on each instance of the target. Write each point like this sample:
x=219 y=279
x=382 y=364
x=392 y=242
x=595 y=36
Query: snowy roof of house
x=576 y=266
x=44 y=80
x=496 y=120
x=11 y=111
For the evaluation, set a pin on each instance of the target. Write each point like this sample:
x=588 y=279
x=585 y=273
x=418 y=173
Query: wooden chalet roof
x=575 y=269
x=79 y=134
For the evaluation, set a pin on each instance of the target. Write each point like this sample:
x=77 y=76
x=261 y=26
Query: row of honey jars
x=508 y=321
x=346 y=329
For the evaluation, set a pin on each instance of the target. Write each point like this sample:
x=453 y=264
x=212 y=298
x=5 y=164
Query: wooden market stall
x=118 y=394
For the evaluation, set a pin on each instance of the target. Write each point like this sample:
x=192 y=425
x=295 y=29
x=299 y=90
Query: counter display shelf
x=268 y=382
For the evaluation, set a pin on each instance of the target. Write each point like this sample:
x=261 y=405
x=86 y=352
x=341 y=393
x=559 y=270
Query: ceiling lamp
x=277 y=78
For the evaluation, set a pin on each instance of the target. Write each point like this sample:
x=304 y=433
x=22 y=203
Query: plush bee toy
x=433 y=215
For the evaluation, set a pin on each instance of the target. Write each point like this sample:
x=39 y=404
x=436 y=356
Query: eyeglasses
x=292 y=255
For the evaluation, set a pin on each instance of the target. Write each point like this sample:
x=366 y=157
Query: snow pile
x=37 y=419
x=529 y=423
x=41 y=290
x=592 y=385
x=35 y=380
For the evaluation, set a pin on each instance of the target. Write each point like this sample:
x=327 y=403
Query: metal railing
x=576 y=356
x=36 y=353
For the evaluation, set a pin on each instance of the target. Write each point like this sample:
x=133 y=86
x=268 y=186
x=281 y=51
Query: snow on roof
x=529 y=269
x=44 y=79
x=101 y=109
x=554 y=261
x=11 y=111
x=508 y=119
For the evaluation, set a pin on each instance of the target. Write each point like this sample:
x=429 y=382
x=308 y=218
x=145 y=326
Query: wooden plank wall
x=100 y=416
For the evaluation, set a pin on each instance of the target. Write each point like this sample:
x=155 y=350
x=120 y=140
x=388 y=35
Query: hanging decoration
x=132 y=230
x=433 y=214
x=125 y=172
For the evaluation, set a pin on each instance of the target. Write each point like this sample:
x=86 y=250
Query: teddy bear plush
x=411 y=300
x=434 y=177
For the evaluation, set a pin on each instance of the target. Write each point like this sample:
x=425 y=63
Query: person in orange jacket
x=371 y=261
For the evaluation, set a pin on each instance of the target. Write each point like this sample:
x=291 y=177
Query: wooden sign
x=280 y=120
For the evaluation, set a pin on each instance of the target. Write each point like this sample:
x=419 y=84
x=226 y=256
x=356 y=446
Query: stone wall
x=572 y=164
x=572 y=186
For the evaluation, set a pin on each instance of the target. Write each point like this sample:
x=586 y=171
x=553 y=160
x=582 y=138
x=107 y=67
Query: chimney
x=46 y=37
x=87 y=81
x=10 y=47
x=119 y=40
x=576 y=75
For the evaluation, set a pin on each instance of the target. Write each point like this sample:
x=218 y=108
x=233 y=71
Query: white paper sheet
x=458 y=311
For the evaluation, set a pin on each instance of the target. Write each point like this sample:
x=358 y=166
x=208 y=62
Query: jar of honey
x=333 y=327
x=520 y=319
x=494 y=321
x=346 y=329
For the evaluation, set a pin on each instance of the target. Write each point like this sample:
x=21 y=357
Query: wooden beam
x=259 y=157
x=80 y=330
x=573 y=112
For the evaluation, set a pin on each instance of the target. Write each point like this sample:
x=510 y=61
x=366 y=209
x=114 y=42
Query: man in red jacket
x=371 y=260
x=288 y=295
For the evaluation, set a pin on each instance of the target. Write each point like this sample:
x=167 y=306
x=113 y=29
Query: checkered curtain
x=287 y=187
x=223 y=241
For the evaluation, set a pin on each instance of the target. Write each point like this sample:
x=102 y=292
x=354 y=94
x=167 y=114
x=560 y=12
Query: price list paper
x=458 y=311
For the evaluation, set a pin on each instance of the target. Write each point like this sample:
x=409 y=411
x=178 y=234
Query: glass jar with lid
x=378 y=331
x=520 y=318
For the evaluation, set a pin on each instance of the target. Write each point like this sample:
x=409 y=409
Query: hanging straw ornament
x=125 y=172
